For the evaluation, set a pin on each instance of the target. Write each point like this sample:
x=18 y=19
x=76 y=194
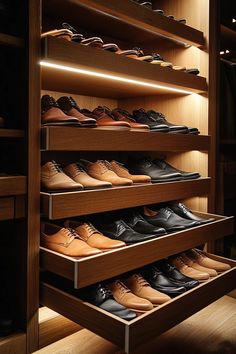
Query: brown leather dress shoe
x=205 y=261
x=77 y=172
x=126 y=298
x=125 y=116
x=65 y=241
x=193 y=264
x=106 y=120
x=188 y=271
x=92 y=236
x=70 y=107
x=102 y=170
x=121 y=171
x=51 y=114
x=140 y=287
x=53 y=179
x=61 y=33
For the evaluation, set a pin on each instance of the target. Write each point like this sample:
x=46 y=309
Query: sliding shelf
x=126 y=19
x=63 y=205
x=11 y=133
x=81 y=270
x=91 y=71
x=12 y=185
x=96 y=139
x=11 y=41
x=13 y=344
x=130 y=335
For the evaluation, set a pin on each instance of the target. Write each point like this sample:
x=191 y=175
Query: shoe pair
x=159 y=170
x=136 y=294
x=76 y=239
x=64 y=111
x=197 y=265
x=158 y=122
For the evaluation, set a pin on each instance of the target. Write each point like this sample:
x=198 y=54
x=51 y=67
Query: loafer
x=92 y=236
x=159 y=281
x=141 y=116
x=65 y=241
x=166 y=218
x=70 y=107
x=175 y=276
x=137 y=222
x=170 y=169
x=173 y=128
x=119 y=230
x=183 y=211
x=147 y=167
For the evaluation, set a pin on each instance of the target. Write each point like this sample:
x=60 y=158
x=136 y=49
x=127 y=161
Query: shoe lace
x=72 y=102
x=167 y=211
x=79 y=168
x=56 y=167
x=90 y=228
x=105 y=165
x=121 y=166
x=105 y=291
x=126 y=113
x=122 y=287
x=141 y=280
x=70 y=232
x=184 y=208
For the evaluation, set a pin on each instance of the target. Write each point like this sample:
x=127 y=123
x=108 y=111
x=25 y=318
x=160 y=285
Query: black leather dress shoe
x=194 y=131
x=181 y=210
x=166 y=167
x=141 y=116
x=101 y=296
x=167 y=219
x=137 y=222
x=119 y=230
x=175 y=276
x=173 y=128
x=159 y=281
x=146 y=167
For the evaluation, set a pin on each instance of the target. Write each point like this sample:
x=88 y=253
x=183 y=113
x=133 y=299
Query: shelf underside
x=124 y=20
x=92 y=71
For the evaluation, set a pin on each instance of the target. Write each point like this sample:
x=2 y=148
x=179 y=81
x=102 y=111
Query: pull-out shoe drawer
x=129 y=335
x=89 y=270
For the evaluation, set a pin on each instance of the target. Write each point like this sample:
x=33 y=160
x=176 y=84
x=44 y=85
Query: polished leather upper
x=205 y=261
x=52 y=114
x=121 y=231
x=179 y=263
x=159 y=281
x=105 y=118
x=160 y=118
x=77 y=172
x=123 y=172
x=135 y=220
x=65 y=241
x=170 y=169
x=195 y=265
x=140 y=287
x=141 y=116
x=181 y=210
x=146 y=166
x=124 y=116
x=167 y=219
x=175 y=276
x=54 y=179
x=92 y=236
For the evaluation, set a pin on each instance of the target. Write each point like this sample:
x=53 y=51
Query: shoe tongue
x=73 y=103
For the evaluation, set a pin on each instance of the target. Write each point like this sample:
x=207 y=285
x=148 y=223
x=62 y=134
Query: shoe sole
x=104 y=127
x=166 y=180
x=62 y=190
x=100 y=187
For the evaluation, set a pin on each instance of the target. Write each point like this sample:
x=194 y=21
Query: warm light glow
x=227 y=51
x=222 y=52
x=111 y=77
x=233 y=20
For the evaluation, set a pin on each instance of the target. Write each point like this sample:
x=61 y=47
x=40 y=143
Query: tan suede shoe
x=193 y=264
x=65 y=241
x=205 y=261
x=188 y=271
x=53 y=179
x=126 y=298
x=102 y=170
x=121 y=171
x=140 y=287
x=79 y=175
x=92 y=236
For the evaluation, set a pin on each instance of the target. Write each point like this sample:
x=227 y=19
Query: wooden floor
x=210 y=331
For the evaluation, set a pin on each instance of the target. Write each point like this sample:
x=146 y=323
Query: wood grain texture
x=81 y=139
x=11 y=41
x=13 y=344
x=81 y=271
x=62 y=205
x=62 y=52
x=212 y=331
x=125 y=15
x=11 y=133
x=12 y=185
x=7 y=208
x=144 y=328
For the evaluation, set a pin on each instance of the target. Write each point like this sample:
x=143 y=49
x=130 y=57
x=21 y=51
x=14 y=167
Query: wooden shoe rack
x=95 y=77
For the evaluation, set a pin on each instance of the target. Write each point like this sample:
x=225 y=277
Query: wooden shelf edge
x=10 y=40
x=11 y=133
x=14 y=343
x=82 y=139
x=12 y=185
